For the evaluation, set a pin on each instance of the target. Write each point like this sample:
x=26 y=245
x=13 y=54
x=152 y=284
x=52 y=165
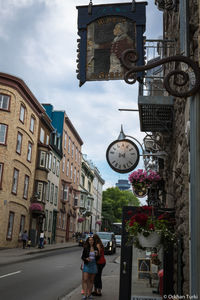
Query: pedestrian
x=24 y=238
x=41 y=245
x=101 y=262
x=90 y=255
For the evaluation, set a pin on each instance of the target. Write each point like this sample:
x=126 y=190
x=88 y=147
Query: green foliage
x=112 y=204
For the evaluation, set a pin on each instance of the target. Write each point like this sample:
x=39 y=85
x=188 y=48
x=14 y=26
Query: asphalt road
x=47 y=276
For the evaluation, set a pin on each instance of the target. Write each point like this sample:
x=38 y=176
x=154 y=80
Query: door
x=138 y=274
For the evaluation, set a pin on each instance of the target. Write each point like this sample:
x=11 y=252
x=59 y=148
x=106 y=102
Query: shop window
x=21 y=226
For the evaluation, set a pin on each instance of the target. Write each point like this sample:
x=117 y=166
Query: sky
x=38 y=42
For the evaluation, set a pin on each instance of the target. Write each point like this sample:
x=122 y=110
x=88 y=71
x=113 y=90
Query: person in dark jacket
x=90 y=255
x=24 y=238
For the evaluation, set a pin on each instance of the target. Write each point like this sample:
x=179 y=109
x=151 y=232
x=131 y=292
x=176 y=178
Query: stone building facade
x=20 y=113
x=180 y=166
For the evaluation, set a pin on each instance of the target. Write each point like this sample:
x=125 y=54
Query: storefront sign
x=104 y=35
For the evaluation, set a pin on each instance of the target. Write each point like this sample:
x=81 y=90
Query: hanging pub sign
x=105 y=33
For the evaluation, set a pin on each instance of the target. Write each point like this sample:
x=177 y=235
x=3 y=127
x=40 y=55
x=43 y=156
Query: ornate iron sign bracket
x=130 y=57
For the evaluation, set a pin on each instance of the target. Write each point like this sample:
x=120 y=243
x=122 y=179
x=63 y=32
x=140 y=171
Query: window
x=48 y=191
x=26 y=183
x=40 y=191
x=3 y=133
x=65 y=192
x=57 y=168
x=4 y=102
x=74 y=175
x=73 y=150
x=63 y=221
x=54 y=165
x=56 y=196
x=78 y=177
x=63 y=164
x=42 y=159
x=22 y=113
x=19 y=143
x=47 y=160
x=10 y=225
x=1 y=174
x=50 y=221
x=82 y=201
x=71 y=173
x=21 y=226
x=89 y=186
x=47 y=139
x=69 y=145
x=82 y=180
x=68 y=167
x=32 y=124
x=59 y=221
x=52 y=193
x=76 y=153
x=50 y=161
x=42 y=135
x=15 y=181
x=29 y=154
x=65 y=141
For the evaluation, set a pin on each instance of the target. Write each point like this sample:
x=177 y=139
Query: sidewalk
x=14 y=255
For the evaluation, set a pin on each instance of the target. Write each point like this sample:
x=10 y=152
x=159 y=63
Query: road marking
x=10 y=274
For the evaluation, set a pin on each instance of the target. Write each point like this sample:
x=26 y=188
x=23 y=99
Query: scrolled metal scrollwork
x=130 y=57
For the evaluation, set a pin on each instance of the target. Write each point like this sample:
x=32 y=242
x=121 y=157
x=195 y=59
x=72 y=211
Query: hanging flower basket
x=150 y=241
x=99 y=222
x=36 y=206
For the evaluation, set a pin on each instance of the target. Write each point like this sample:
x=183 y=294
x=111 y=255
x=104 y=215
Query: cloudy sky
x=38 y=44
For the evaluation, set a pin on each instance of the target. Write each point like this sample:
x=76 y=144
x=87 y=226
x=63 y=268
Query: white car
x=118 y=240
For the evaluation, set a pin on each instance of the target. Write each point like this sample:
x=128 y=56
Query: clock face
x=122 y=156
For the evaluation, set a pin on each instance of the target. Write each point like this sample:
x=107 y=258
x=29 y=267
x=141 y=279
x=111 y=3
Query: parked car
x=83 y=238
x=109 y=241
x=118 y=240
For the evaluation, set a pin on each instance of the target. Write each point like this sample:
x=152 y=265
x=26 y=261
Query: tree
x=112 y=204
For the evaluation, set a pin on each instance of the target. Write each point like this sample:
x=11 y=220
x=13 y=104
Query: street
x=47 y=276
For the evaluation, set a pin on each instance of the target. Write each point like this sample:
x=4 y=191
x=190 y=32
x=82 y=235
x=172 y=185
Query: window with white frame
x=50 y=161
x=68 y=167
x=42 y=135
x=82 y=201
x=42 y=159
x=52 y=192
x=10 y=225
x=74 y=175
x=4 y=102
x=32 y=124
x=19 y=143
x=40 y=191
x=26 y=184
x=48 y=191
x=89 y=186
x=69 y=142
x=71 y=172
x=47 y=160
x=22 y=113
x=1 y=174
x=29 y=154
x=54 y=165
x=15 y=181
x=3 y=133
x=65 y=140
x=65 y=192
x=82 y=180
x=56 y=196
x=50 y=221
x=63 y=163
x=21 y=226
x=58 y=168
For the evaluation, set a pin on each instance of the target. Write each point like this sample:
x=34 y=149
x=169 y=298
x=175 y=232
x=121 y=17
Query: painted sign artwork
x=107 y=38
